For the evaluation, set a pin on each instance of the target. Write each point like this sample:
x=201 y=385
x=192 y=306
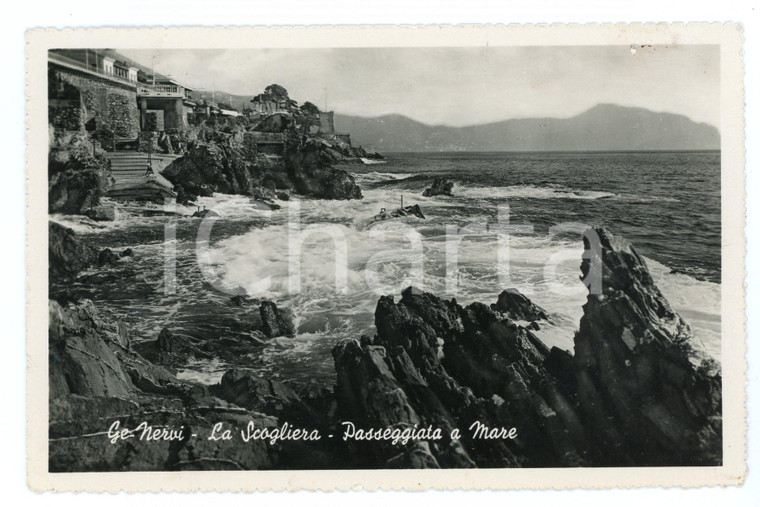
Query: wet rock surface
x=440 y=186
x=96 y=381
x=514 y=305
x=309 y=167
x=276 y=322
x=406 y=211
x=218 y=165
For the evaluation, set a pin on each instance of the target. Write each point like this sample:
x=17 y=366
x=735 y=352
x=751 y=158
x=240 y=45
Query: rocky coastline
x=638 y=389
x=267 y=157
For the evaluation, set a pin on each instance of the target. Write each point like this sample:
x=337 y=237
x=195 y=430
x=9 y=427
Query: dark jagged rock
x=76 y=178
x=127 y=252
x=169 y=342
x=107 y=256
x=406 y=211
x=245 y=389
x=96 y=381
x=211 y=166
x=639 y=391
x=440 y=186
x=451 y=366
x=239 y=300
x=513 y=304
x=309 y=168
x=68 y=255
x=233 y=167
x=205 y=213
x=88 y=356
x=276 y=322
x=102 y=213
x=639 y=363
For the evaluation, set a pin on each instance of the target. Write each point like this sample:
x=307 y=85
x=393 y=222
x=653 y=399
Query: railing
x=267 y=137
x=160 y=90
x=76 y=64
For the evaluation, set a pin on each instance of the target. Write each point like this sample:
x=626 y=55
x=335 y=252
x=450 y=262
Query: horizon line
x=696 y=150
x=492 y=122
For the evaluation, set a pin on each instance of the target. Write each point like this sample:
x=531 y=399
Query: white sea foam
x=528 y=191
x=697 y=301
x=375 y=177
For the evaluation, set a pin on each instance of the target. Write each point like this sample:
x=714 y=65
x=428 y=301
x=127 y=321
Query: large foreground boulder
x=639 y=390
x=639 y=364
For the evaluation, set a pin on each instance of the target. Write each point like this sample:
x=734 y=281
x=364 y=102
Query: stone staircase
x=128 y=167
x=131 y=179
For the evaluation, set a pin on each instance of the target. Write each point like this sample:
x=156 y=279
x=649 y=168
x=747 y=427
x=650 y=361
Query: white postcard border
x=734 y=366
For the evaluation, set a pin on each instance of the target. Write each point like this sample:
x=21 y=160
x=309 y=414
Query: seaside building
x=164 y=103
x=126 y=108
x=327 y=127
x=102 y=90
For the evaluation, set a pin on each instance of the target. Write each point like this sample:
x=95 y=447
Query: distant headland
x=605 y=127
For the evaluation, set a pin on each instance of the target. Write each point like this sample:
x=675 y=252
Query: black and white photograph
x=387 y=258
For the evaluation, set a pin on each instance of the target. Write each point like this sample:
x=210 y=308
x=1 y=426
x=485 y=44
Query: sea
x=329 y=261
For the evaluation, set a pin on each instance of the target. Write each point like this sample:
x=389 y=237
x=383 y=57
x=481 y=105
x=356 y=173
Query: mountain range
x=605 y=127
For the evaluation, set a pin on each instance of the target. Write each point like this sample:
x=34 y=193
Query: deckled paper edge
x=728 y=35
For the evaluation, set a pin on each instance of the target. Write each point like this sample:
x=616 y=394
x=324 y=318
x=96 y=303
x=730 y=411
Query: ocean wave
x=528 y=192
x=698 y=302
x=376 y=177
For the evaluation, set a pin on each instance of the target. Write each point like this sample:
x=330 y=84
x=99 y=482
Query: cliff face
x=76 y=178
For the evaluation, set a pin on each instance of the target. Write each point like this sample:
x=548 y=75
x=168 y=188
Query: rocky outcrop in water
x=440 y=186
x=67 y=254
x=638 y=391
x=236 y=168
x=276 y=322
x=212 y=166
x=406 y=211
x=309 y=167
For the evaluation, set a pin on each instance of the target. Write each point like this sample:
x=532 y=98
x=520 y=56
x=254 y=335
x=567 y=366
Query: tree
x=309 y=108
x=277 y=91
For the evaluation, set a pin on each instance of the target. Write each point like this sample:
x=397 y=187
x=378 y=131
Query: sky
x=461 y=86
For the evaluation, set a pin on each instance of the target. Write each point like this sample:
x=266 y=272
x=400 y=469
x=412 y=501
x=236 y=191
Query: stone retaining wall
x=104 y=105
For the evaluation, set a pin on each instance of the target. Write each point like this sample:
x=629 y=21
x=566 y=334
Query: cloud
x=462 y=86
